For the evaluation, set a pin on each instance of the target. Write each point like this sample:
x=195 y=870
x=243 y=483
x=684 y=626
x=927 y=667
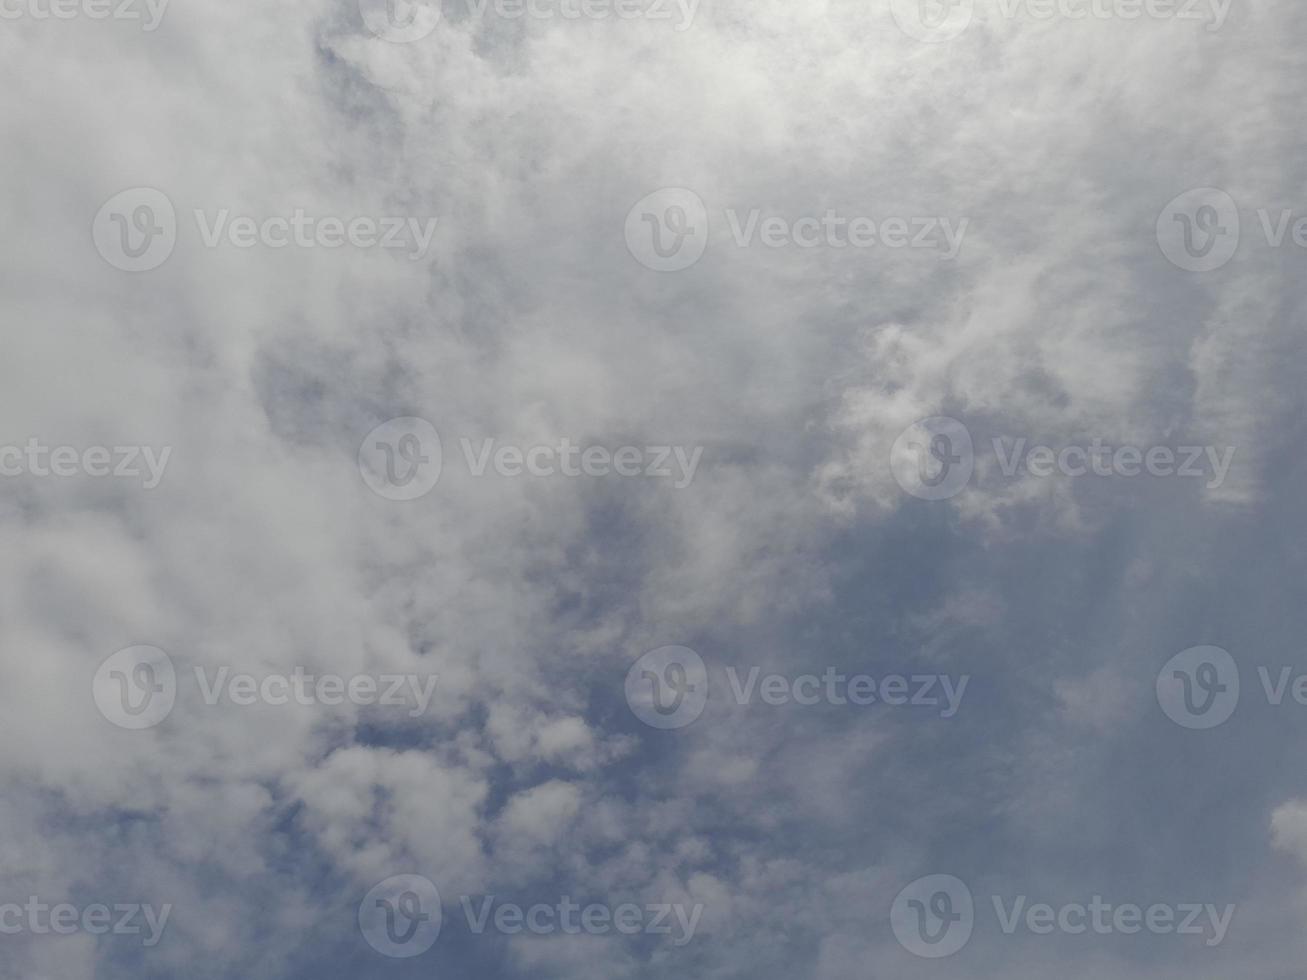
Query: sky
x=653 y=489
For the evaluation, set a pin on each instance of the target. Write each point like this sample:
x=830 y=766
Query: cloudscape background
x=794 y=548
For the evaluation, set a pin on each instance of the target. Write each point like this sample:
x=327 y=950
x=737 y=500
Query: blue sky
x=757 y=260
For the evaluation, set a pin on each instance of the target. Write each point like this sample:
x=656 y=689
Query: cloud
x=795 y=369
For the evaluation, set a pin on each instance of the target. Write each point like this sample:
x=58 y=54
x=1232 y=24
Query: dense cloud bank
x=666 y=291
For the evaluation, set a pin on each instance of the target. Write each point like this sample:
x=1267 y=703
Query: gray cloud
x=794 y=548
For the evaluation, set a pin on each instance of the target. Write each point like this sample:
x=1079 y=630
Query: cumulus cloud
x=1048 y=145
